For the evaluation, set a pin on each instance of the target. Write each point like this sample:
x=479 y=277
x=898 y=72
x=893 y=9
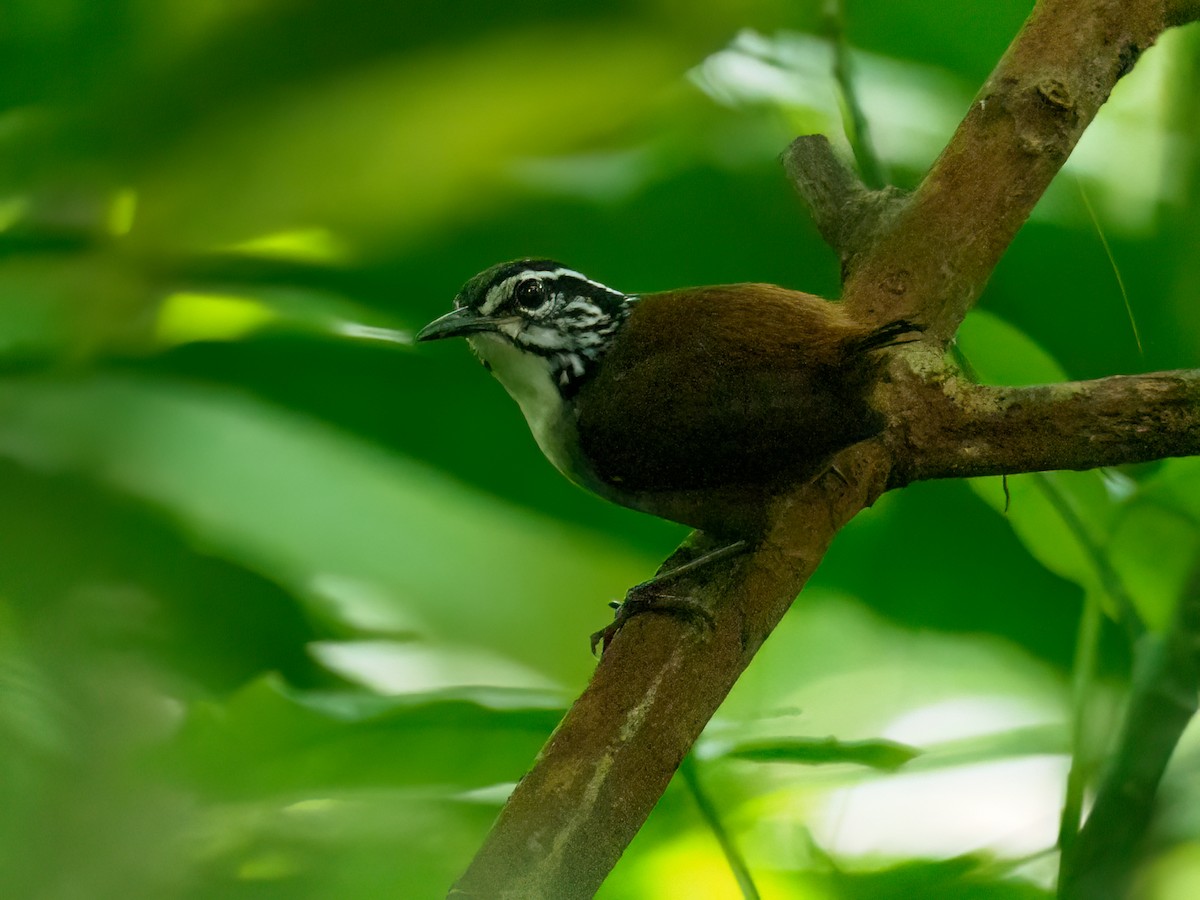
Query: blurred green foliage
x=286 y=606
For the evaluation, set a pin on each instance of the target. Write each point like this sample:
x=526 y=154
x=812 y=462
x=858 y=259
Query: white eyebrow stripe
x=557 y=272
x=498 y=293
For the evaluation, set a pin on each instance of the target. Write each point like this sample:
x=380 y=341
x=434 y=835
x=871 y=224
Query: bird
x=696 y=405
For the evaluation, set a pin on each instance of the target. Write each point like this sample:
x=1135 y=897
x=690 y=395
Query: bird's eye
x=530 y=293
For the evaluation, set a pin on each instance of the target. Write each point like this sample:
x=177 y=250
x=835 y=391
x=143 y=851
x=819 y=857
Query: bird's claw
x=638 y=601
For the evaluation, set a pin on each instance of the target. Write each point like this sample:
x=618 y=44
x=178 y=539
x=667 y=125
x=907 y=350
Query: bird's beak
x=456 y=323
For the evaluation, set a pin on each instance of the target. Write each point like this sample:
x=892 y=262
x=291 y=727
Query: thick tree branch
x=656 y=687
x=960 y=430
x=937 y=254
x=605 y=767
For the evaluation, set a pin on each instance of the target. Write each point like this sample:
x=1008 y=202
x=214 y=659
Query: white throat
x=529 y=380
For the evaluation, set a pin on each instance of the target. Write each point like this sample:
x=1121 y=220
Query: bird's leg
x=647 y=596
x=704 y=559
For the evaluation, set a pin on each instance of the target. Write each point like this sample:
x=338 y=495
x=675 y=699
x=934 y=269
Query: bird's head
x=558 y=321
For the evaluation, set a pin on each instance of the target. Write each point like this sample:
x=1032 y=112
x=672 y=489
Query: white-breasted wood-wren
x=695 y=405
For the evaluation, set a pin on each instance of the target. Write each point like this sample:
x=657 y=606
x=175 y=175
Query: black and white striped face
x=558 y=318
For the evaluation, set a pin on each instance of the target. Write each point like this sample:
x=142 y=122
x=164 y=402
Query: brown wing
x=731 y=385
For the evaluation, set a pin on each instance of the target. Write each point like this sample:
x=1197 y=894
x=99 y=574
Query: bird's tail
x=892 y=334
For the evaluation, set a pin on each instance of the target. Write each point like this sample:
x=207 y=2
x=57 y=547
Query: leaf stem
x=1112 y=261
x=854 y=122
x=708 y=811
x=1082 y=676
x=1110 y=581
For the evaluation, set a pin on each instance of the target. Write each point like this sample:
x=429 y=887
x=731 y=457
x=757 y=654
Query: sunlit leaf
x=1063 y=519
x=1000 y=353
x=886 y=755
x=297 y=501
x=312 y=245
x=275 y=739
x=1157 y=550
x=187 y=317
x=469 y=111
x=962 y=878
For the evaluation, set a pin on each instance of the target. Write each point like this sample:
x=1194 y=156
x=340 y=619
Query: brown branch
x=656 y=687
x=601 y=773
x=953 y=429
x=847 y=214
x=934 y=261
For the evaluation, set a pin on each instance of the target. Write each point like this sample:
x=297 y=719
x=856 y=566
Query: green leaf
x=960 y=878
x=269 y=738
x=1063 y=519
x=1155 y=548
x=1176 y=485
x=362 y=535
x=1000 y=353
x=877 y=754
x=421 y=141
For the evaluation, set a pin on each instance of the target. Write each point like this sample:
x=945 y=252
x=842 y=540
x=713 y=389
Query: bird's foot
x=647 y=596
x=644 y=598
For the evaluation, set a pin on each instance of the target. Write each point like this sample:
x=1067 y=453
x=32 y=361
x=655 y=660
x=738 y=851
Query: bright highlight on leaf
x=268 y=867
x=875 y=754
x=12 y=209
x=121 y=212
x=184 y=318
x=312 y=245
x=372 y=333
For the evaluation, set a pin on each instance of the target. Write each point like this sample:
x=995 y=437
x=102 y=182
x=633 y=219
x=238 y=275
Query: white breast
x=527 y=378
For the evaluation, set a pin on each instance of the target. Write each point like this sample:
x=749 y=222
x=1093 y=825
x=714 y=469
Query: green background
x=286 y=604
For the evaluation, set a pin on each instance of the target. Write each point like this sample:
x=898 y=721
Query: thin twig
x=708 y=812
x=858 y=132
x=848 y=215
x=1082 y=678
x=1112 y=261
x=1109 y=578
